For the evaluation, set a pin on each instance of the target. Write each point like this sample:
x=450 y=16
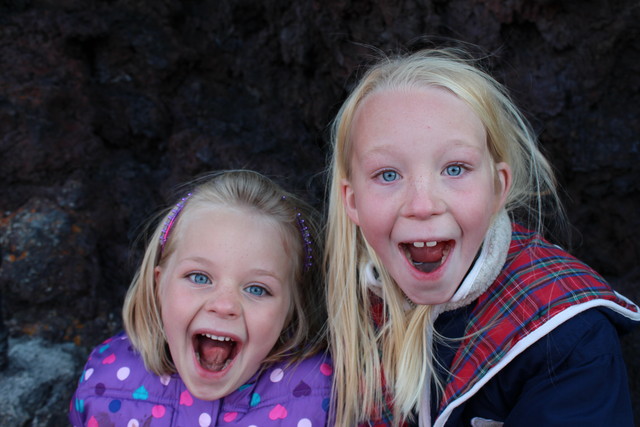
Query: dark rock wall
x=105 y=106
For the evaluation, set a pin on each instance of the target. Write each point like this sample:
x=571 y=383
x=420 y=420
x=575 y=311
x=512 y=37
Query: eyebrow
x=263 y=272
x=459 y=142
x=254 y=271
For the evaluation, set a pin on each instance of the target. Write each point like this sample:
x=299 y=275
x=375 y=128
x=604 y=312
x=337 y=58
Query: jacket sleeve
x=575 y=376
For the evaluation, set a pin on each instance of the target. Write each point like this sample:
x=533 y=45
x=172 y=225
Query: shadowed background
x=106 y=106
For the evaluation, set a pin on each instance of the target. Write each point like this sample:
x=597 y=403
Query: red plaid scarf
x=539 y=281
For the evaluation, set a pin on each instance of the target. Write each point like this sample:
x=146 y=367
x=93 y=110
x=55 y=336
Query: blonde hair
x=303 y=334
x=405 y=339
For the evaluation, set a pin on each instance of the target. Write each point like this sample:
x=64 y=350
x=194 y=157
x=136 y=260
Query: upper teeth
x=422 y=244
x=215 y=337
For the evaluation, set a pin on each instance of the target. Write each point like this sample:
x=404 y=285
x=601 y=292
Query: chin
x=430 y=297
x=208 y=393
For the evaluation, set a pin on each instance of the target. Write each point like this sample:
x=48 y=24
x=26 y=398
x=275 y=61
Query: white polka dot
x=204 y=420
x=305 y=422
x=276 y=375
x=123 y=373
x=88 y=374
x=164 y=379
x=133 y=423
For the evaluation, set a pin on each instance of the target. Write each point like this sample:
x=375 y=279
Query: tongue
x=426 y=254
x=213 y=353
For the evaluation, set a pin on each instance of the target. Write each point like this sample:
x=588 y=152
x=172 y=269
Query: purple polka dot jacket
x=115 y=389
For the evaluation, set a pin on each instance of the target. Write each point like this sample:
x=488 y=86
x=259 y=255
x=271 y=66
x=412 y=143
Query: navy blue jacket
x=546 y=385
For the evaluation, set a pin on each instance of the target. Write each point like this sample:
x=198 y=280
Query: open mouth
x=214 y=353
x=427 y=256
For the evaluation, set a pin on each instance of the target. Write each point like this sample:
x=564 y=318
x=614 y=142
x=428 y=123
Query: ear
x=504 y=180
x=349 y=201
x=157 y=274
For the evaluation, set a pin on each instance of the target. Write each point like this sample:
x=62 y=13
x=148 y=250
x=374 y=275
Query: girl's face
x=225 y=295
x=423 y=187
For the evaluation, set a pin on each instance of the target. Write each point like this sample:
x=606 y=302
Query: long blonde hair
x=405 y=339
x=304 y=332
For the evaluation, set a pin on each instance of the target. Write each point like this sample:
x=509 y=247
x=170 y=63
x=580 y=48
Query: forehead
x=414 y=102
x=243 y=238
x=235 y=219
x=390 y=115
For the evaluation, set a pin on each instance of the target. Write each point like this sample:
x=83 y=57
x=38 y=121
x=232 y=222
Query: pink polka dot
x=109 y=359
x=92 y=422
x=230 y=416
x=326 y=369
x=185 y=398
x=279 y=412
x=158 y=411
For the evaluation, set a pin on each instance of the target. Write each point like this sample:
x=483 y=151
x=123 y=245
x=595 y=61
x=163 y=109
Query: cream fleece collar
x=485 y=270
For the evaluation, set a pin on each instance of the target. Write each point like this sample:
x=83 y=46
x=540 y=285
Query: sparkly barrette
x=171 y=218
x=306 y=238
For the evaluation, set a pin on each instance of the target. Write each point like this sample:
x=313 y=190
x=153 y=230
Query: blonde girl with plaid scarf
x=447 y=306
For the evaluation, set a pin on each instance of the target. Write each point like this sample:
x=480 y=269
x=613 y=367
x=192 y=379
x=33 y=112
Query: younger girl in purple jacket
x=222 y=319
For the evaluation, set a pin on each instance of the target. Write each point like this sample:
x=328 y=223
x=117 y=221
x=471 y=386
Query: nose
x=224 y=302
x=422 y=199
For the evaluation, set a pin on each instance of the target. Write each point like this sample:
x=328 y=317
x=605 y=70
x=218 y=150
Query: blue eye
x=256 y=290
x=389 y=176
x=199 y=279
x=454 y=170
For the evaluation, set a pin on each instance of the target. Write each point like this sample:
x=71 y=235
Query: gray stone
x=37 y=384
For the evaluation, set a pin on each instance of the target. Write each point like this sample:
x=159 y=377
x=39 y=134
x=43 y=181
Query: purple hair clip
x=306 y=238
x=171 y=219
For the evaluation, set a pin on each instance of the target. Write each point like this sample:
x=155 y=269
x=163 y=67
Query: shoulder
x=581 y=354
x=115 y=386
x=113 y=361
x=541 y=276
x=532 y=256
x=581 y=357
x=580 y=351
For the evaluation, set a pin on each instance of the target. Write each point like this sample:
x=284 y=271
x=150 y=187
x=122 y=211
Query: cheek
x=376 y=220
x=279 y=316
x=480 y=201
x=474 y=223
x=174 y=306
x=168 y=317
